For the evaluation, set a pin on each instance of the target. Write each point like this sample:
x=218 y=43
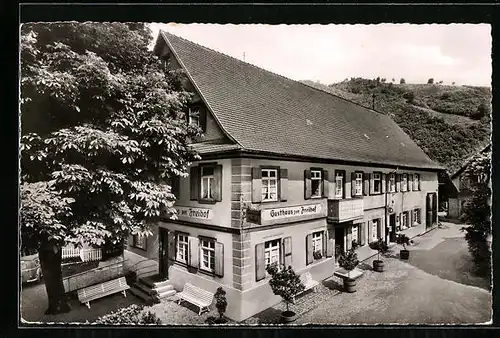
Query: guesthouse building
x=288 y=174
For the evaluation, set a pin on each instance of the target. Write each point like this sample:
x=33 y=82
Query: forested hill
x=450 y=123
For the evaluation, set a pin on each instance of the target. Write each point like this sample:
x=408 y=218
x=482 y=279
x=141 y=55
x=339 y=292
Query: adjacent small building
x=289 y=174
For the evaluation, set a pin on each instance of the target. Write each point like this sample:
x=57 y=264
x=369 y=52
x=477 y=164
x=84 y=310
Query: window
x=140 y=241
x=404 y=182
x=269 y=185
x=317 y=241
x=316 y=183
x=272 y=252
x=377 y=183
x=416 y=183
x=182 y=248
x=207 y=183
x=374 y=229
x=207 y=255
x=339 y=184
x=416 y=216
x=194 y=116
x=358 y=190
x=392 y=182
x=398 y=224
x=405 y=223
x=355 y=234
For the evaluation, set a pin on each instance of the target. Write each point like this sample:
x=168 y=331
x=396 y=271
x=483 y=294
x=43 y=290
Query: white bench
x=94 y=292
x=196 y=296
x=308 y=282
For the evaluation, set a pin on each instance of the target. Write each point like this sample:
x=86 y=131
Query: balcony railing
x=345 y=209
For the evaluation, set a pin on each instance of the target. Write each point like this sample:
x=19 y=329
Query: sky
x=459 y=53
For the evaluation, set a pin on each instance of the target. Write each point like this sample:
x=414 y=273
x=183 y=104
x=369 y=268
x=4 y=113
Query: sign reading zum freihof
x=299 y=211
x=194 y=213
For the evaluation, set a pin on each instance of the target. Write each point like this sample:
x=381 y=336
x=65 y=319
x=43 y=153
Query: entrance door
x=163 y=253
x=431 y=209
x=392 y=226
x=339 y=241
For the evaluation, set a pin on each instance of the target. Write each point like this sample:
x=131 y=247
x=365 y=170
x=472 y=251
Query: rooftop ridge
x=271 y=72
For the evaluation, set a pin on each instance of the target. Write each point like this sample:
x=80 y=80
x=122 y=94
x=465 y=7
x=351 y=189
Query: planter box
x=354 y=274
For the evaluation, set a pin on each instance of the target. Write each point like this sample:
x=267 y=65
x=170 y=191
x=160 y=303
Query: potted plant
x=286 y=284
x=348 y=261
x=403 y=240
x=381 y=246
x=221 y=305
x=317 y=255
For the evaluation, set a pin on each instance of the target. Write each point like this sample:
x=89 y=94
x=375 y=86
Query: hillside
x=450 y=123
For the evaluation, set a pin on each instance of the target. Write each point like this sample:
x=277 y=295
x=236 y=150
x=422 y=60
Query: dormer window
x=194 y=116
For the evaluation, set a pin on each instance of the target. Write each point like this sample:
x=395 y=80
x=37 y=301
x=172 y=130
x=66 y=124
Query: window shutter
x=349 y=237
x=410 y=182
x=309 y=249
x=260 y=262
x=324 y=244
x=307 y=184
x=287 y=250
x=372 y=185
x=256 y=185
x=347 y=182
x=219 y=259
x=366 y=184
x=194 y=183
x=218 y=182
x=369 y=231
x=363 y=233
x=379 y=228
x=398 y=182
x=326 y=183
x=329 y=246
x=410 y=217
x=383 y=183
x=283 y=184
x=353 y=184
x=172 y=247
x=194 y=251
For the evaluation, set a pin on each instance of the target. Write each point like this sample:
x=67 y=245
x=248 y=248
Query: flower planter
x=404 y=254
x=288 y=316
x=349 y=285
x=378 y=265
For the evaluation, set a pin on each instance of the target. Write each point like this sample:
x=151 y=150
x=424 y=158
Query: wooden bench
x=100 y=290
x=308 y=282
x=196 y=296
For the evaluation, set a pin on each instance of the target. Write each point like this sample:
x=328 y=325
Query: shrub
x=409 y=96
x=317 y=255
x=380 y=245
x=132 y=314
x=403 y=240
x=430 y=81
x=220 y=301
x=349 y=260
x=402 y=81
x=284 y=283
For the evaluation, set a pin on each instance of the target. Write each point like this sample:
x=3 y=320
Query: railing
x=69 y=251
x=93 y=276
x=345 y=209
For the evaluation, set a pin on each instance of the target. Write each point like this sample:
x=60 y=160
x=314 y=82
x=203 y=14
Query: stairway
x=152 y=289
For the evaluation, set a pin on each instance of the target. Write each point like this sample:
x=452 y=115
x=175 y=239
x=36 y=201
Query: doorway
x=431 y=210
x=163 y=260
x=392 y=228
x=339 y=241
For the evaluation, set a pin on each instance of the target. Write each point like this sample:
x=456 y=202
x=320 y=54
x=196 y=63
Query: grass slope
x=442 y=120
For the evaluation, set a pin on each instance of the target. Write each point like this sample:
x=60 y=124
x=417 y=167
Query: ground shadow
x=268 y=316
x=333 y=285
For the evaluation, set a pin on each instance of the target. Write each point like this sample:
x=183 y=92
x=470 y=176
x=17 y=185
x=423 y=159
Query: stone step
x=151 y=280
x=144 y=288
x=163 y=288
x=161 y=283
x=166 y=294
x=139 y=293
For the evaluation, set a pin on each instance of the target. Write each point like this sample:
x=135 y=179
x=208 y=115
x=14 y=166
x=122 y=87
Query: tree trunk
x=50 y=255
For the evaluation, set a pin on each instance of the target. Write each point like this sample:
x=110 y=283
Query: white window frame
x=272 y=252
x=392 y=182
x=316 y=176
x=355 y=234
x=416 y=182
x=404 y=221
x=404 y=182
x=339 y=187
x=140 y=242
x=209 y=179
x=182 y=248
x=416 y=216
x=358 y=185
x=194 y=116
x=207 y=249
x=267 y=187
x=377 y=177
x=374 y=229
x=317 y=241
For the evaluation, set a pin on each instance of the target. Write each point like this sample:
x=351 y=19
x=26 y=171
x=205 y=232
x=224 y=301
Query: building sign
x=314 y=210
x=194 y=213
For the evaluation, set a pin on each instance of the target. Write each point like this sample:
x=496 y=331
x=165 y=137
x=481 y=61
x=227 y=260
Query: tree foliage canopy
x=103 y=122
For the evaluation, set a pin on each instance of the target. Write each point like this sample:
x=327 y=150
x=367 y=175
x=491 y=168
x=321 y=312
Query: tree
x=402 y=81
x=103 y=133
x=220 y=302
x=482 y=110
x=284 y=283
x=349 y=260
x=476 y=212
x=380 y=245
x=430 y=81
x=409 y=96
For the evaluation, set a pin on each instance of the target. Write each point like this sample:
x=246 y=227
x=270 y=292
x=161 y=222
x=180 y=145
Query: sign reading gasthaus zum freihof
x=189 y=213
x=296 y=212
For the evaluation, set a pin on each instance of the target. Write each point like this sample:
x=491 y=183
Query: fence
x=85 y=255
x=94 y=276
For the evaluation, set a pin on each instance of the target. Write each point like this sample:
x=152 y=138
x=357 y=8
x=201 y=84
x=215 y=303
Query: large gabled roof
x=265 y=112
x=469 y=160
